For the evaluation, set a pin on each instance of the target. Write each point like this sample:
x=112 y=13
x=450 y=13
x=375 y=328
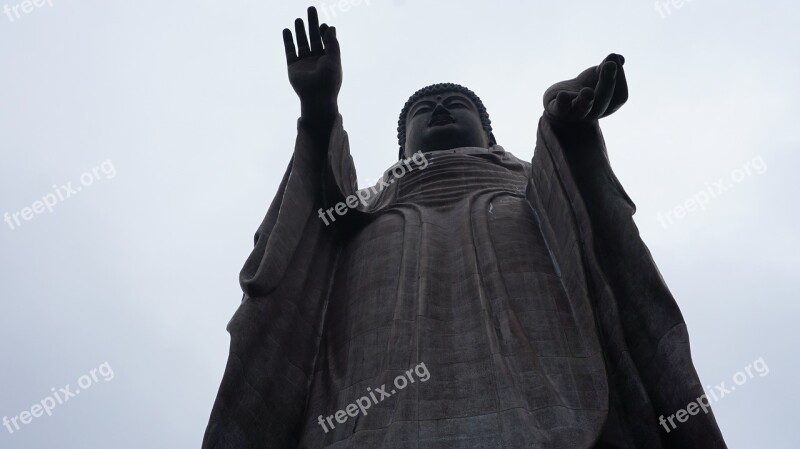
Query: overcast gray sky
x=184 y=112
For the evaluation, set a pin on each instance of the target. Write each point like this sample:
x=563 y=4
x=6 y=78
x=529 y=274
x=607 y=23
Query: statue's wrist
x=317 y=118
x=319 y=109
x=563 y=124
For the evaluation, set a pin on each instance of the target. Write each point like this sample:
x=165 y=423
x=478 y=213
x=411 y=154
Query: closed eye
x=456 y=103
x=422 y=110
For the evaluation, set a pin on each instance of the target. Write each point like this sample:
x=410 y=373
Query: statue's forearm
x=583 y=147
x=585 y=155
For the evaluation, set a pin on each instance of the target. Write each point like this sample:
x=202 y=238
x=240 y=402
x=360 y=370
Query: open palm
x=597 y=92
x=315 y=68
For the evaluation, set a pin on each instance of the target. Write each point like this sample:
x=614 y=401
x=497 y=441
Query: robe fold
x=523 y=288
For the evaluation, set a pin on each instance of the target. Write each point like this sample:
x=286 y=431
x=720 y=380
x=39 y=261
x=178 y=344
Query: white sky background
x=190 y=102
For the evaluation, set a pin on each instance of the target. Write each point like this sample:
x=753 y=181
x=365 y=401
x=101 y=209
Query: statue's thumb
x=331 y=43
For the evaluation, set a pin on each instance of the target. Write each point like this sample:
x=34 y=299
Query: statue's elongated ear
x=492 y=140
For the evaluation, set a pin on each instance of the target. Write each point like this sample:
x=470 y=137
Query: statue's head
x=443 y=116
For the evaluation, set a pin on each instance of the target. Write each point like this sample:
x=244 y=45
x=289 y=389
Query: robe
x=523 y=288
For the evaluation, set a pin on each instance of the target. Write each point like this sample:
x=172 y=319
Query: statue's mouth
x=441 y=119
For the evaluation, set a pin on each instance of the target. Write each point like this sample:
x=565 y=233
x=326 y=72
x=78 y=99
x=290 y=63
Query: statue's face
x=443 y=121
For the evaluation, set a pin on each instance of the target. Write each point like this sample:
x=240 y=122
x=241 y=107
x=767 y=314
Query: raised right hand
x=315 y=71
x=597 y=92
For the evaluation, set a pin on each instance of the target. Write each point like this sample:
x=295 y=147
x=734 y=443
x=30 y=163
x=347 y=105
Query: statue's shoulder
x=509 y=158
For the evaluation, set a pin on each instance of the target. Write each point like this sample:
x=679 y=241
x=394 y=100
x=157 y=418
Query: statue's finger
x=589 y=77
x=322 y=30
x=582 y=104
x=604 y=90
x=331 y=43
x=302 y=41
x=620 y=88
x=614 y=57
x=288 y=45
x=561 y=105
x=313 y=31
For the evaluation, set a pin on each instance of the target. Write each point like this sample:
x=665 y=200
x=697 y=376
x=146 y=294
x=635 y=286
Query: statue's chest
x=452 y=179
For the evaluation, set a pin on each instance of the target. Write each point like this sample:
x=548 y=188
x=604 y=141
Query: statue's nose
x=440 y=110
x=440 y=115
